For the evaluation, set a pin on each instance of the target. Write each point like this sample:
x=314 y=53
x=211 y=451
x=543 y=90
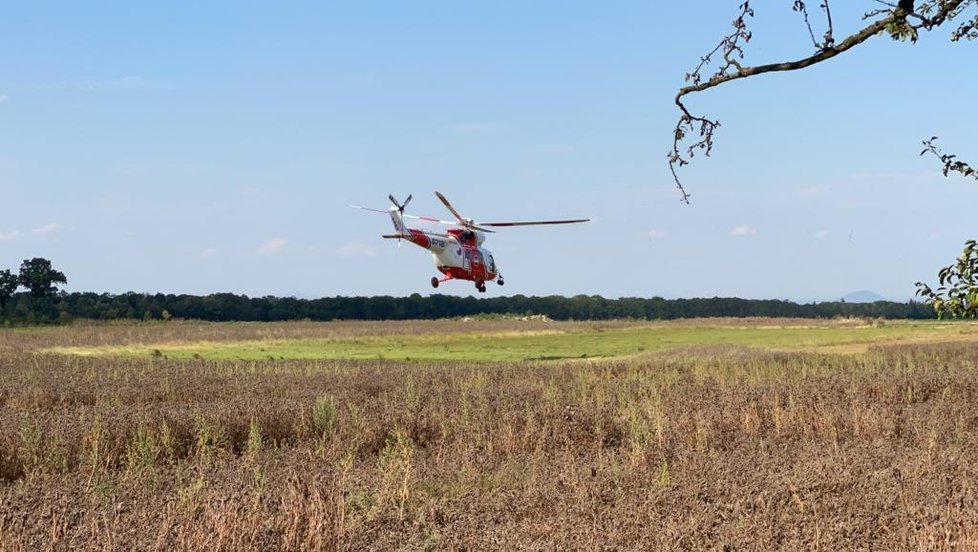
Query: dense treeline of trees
x=23 y=307
x=42 y=302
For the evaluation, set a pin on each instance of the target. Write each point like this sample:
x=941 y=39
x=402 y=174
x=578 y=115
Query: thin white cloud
x=272 y=246
x=133 y=169
x=477 y=128
x=120 y=84
x=356 y=250
x=126 y=83
x=129 y=83
x=363 y=78
x=742 y=230
x=9 y=236
x=656 y=233
x=207 y=253
x=821 y=234
x=552 y=148
x=934 y=236
x=810 y=191
x=4 y=98
x=909 y=177
x=49 y=228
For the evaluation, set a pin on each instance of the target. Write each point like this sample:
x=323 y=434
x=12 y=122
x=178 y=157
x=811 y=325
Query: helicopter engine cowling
x=469 y=237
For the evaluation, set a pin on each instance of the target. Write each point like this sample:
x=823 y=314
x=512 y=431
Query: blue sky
x=206 y=148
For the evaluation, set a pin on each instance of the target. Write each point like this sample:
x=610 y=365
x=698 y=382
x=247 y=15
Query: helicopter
x=458 y=253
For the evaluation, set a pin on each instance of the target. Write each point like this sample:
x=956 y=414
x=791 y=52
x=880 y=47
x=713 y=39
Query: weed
x=190 y=497
x=664 y=479
x=395 y=466
x=142 y=449
x=95 y=439
x=31 y=444
x=256 y=440
x=257 y=487
x=211 y=442
x=324 y=415
x=168 y=442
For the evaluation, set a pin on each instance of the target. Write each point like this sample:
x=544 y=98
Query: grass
x=575 y=343
x=736 y=434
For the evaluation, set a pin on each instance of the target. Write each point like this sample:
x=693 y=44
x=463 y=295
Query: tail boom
x=419 y=238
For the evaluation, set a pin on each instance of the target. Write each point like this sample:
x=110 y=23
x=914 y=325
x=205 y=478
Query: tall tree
x=38 y=276
x=903 y=21
x=9 y=283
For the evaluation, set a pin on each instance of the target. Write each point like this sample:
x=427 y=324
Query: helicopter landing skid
x=435 y=280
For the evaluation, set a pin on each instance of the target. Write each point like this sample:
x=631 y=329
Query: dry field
x=722 y=447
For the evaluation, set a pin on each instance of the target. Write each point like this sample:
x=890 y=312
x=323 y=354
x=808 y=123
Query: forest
x=24 y=308
x=43 y=302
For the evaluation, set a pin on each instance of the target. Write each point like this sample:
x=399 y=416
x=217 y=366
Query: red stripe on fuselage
x=420 y=238
x=459 y=273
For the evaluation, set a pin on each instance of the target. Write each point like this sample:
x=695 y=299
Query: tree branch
x=931 y=14
x=827 y=53
x=950 y=162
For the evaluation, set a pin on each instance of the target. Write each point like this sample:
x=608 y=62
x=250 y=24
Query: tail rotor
x=400 y=206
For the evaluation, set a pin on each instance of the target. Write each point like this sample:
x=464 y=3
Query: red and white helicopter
x=458 y=253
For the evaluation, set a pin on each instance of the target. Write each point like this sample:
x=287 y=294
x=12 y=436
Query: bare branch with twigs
x=901 y=21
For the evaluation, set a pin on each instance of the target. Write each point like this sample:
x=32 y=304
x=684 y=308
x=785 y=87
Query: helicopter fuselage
x=456 y=254
x=463 y=258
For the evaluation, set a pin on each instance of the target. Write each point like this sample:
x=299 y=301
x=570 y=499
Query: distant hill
x=863 y=296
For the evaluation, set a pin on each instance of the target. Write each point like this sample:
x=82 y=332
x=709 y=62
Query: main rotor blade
x=534 y=223
x=385 y=211
x=408 y=236
x=431 y=219
x=458 y=217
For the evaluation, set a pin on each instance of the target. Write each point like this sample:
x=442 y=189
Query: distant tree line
x=42 y=302
x=221 y=307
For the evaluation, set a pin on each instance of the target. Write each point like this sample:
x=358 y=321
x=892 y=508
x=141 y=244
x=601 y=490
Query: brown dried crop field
x=706 y=446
